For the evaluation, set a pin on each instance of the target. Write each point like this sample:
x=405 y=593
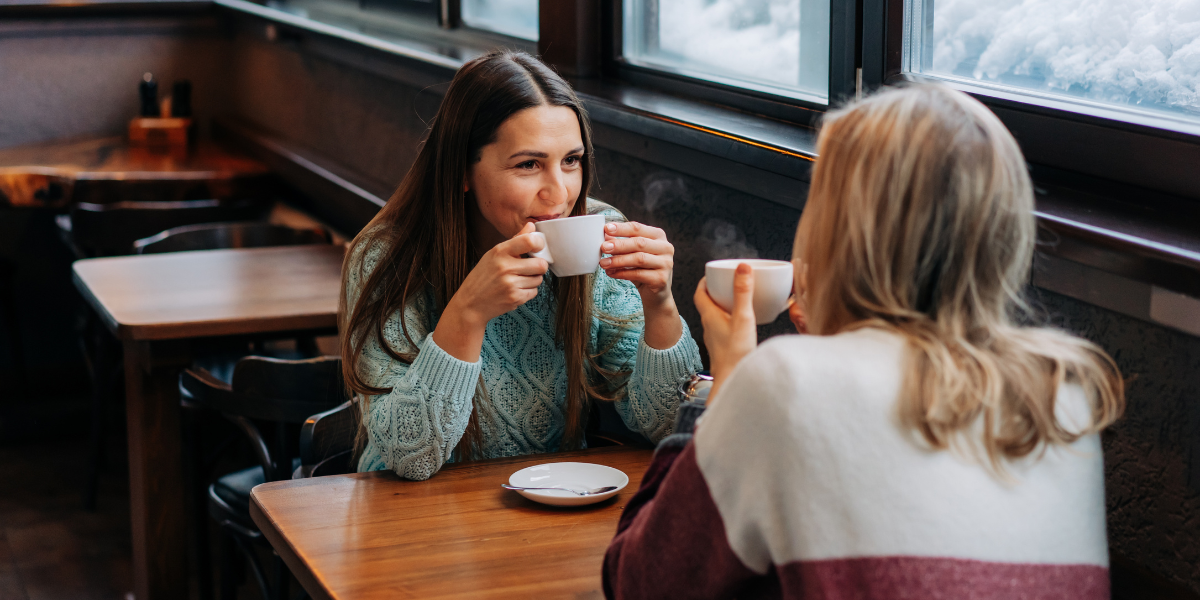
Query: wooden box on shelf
x=155 y=131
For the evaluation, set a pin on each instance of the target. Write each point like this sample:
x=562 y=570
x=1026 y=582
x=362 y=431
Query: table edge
x=313 y=321
x=308 y=580
x=564 y=456
x=118 y=330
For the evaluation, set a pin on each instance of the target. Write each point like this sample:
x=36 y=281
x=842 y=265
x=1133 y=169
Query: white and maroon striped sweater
x=800 y=483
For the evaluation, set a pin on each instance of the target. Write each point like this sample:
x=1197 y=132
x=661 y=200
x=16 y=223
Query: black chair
x=327 y=442
x=111 y=229
x=270 y=392
x=212 y=236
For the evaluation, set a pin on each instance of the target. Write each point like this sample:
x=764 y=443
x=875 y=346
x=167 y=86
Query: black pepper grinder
x=181 y=99
x=148 y=90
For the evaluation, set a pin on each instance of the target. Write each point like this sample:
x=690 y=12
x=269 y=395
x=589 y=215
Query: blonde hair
x=920 y=221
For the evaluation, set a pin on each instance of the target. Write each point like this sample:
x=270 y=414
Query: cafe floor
x=50 y=547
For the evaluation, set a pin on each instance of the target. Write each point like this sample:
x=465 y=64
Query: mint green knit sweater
x=414 y=429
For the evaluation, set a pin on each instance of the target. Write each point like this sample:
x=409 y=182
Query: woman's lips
x=544 y=217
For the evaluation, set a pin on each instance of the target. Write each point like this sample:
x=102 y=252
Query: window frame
x=843 y=52
x=450 y=17
x=1107 y=143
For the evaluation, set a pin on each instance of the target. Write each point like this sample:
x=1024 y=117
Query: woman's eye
x=572 y=160
x=527 y=165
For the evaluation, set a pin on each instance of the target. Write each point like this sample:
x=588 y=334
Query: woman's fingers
x=743 y=293
x=796 y=315
x=618 y=246
x=653 y=280
x=704 y=303
x=634 y=229
x=637 y=260
x=528 y=266
x=527 y=282
x=522 y=243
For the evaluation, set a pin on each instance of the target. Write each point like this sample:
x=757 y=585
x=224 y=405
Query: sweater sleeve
x=649 y=404
x=670 y=541
x=414 y=428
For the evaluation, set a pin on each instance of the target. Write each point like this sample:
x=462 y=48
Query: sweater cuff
x=673 y=364
x=434 y=369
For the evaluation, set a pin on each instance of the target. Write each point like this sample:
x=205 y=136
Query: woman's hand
x=642 y=255
x=502 y=281
x=796 y=315
x=729 y=336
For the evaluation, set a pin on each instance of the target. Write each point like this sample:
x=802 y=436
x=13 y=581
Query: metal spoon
x=591 y=492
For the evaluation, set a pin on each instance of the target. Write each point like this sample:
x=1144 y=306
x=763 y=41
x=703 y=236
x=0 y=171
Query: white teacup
x=772 y=285
x=572 y=244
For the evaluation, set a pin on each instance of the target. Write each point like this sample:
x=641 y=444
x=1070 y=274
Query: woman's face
x=532 y=172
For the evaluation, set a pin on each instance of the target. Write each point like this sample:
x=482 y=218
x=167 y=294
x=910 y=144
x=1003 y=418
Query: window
x=1141 y=55
x=779 y=47
x=518 y=18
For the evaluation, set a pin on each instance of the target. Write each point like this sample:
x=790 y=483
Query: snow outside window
x=518 y=18
x=775 y=46
x=1137 y=54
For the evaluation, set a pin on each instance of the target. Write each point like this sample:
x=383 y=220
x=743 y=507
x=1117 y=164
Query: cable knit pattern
x=414 y=429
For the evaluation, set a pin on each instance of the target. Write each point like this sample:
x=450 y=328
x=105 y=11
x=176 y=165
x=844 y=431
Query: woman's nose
x=554 y=188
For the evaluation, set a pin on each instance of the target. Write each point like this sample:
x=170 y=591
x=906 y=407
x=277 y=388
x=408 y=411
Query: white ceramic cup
x=772 y=285
x=572 y=244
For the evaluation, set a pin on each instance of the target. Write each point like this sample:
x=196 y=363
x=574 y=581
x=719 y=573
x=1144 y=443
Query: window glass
x=1138 y=54
x=518 y=18
x=776 y=46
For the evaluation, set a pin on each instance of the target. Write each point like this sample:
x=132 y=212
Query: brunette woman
x=920 y=442
x=457 y=345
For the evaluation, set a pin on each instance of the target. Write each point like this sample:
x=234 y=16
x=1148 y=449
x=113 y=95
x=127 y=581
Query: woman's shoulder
x=804 y=380
x=367 y=248
x=809 y=359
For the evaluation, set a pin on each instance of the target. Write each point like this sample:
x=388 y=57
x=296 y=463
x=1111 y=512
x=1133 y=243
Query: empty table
x=157 y=305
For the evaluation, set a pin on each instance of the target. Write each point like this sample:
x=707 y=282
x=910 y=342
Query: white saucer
x=574 y=475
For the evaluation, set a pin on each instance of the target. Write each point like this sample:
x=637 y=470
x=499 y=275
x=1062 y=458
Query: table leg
x=155 y=476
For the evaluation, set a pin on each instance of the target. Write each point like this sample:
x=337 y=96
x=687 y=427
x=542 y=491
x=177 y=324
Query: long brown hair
x=920 y=221
x=424 y=233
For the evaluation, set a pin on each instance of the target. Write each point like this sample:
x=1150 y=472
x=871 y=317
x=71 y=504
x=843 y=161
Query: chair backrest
x=327 y=442
x=284 y=393
x=111 y=229
x=215 y=236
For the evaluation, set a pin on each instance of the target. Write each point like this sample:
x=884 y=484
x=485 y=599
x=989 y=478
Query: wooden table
x=457 y=535
x=108 y=169
x=158 y=305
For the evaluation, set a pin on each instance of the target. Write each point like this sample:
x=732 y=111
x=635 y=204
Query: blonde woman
x=919 y=442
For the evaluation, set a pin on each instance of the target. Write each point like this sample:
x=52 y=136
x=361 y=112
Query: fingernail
x=607 y=246
x=604 y=262
x=611 y=227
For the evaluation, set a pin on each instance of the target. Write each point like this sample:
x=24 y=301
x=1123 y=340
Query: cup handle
x=544 y=253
